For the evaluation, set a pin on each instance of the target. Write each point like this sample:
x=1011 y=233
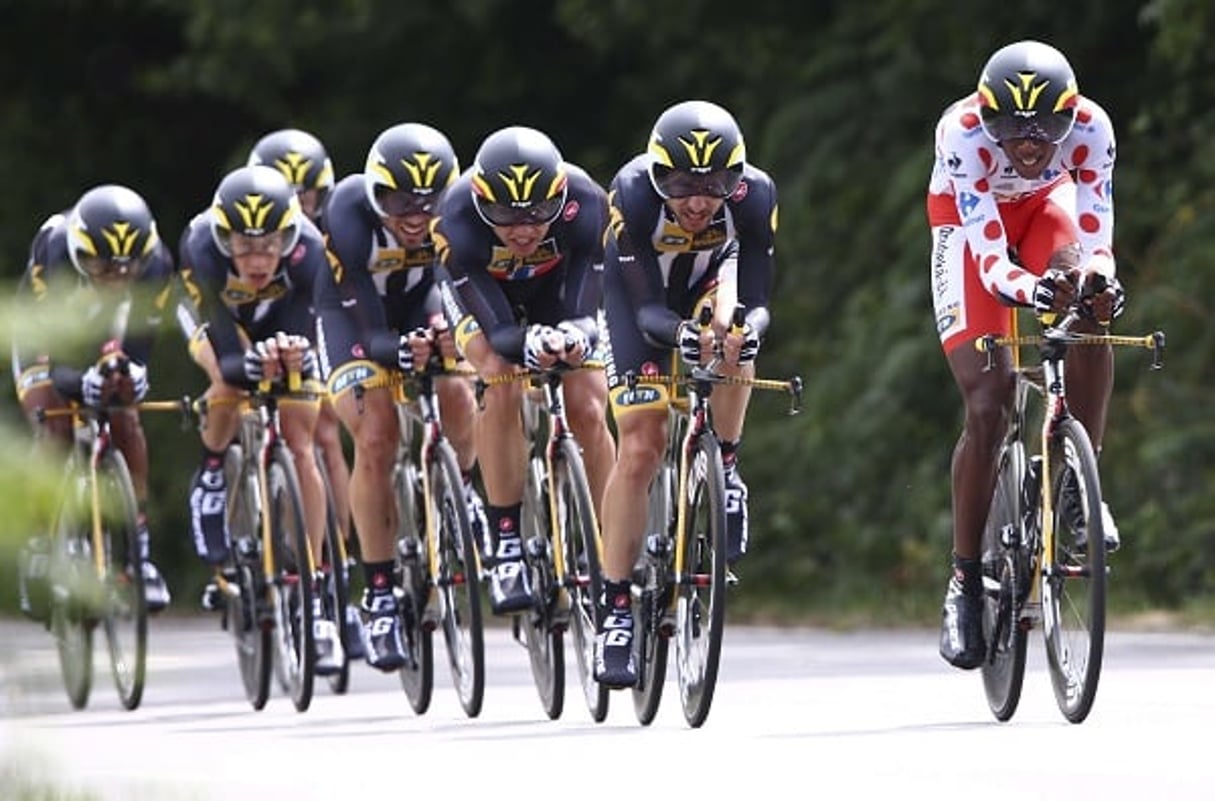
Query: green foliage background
x=838 y=100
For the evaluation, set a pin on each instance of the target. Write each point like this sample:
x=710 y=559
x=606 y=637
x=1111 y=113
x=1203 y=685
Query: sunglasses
x=718 y=184
x=400 y=203
x=246 y=245
x=505 y=215
x=104 y=267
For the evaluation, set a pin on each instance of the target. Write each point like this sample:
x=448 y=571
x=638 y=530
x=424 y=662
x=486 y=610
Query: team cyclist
x=521 y=233
x=104 y=259
x=250 y=262
x=306 y=165
x=379 y=310
x=692 y=224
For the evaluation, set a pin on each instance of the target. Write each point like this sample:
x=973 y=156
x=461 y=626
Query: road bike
x=436 y=558
x=94 y=565
x=1043 y=546
x=561 y=545
x=269 y=577
x=681 y=578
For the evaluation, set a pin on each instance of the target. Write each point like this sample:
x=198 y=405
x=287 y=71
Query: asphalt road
x=869 y=714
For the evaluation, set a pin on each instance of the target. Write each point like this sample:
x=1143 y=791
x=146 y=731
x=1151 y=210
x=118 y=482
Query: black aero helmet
x=696 y=148
x=255 y=201
x=519 y=178
x=110 y=232
x=1027 y=90
x=408 y=167
x=299 y=156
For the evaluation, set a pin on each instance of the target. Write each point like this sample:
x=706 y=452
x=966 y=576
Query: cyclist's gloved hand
x=538 y=351
x=92 y=386
x=139 y=380
x=577 y=344
x=310 y=366
x=1054 y=292
x=405 y=360
x=750 y=345
x=1109 y=303
x=255 y=362
x=688 y=339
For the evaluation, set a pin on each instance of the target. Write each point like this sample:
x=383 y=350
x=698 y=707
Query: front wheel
x=413 y=577
x=335 y=585
x=653 y=622
x=458 y=584
x=1073 y=574
x=246 y=616
x=1003 y=546
x=700 y=610
x=290 y=588
x=584 y=574
x=125 y=608
x=71 y=574
x=544 y=624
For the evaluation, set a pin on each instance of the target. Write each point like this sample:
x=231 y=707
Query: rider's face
x=410 y=230
x=696 y=212
x=1029 y=157
x=256 y=257
x=522 y=240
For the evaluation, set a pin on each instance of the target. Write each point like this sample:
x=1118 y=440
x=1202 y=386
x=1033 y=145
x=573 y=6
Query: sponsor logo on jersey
x=350 y=374
x=967 y=201
x=506 y=266
x=948 y=318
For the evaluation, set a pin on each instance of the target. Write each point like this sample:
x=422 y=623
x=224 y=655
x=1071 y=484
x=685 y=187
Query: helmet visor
x=1052 y=128
x=678 y=183
x=505 y=214
x=399 y=203
x=102 y=267
x=266 y=244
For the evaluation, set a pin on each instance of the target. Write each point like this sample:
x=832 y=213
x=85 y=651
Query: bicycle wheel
x=70 y=571
x=700 y=610
x=291 y=585
x=125 y=608
x=459 y=586
x=580 y=535
x=245 y=615
x=1073 y=577
x=653 y=626
x=335 y=586
x=413 y=576
x=544 y=625
x=1002 y=551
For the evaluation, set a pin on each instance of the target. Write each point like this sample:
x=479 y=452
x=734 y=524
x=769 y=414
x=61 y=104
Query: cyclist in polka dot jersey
x=1020 y=206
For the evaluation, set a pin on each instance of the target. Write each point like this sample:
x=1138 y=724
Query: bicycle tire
x=244 y=615
x=1002 y=547
x=543 y=626
x=459 y=581
x=651 y=629
x=1073 y=588
x=700 y=608
x=336 y=582
x=125 y=610
x=413 y=577
x=580 y=534
x=70 y=564
x=291 y=586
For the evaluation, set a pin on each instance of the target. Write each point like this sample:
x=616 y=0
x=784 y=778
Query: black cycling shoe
x=614 y=663
x=737 y=534
x=962 y=642
x=384 y=649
